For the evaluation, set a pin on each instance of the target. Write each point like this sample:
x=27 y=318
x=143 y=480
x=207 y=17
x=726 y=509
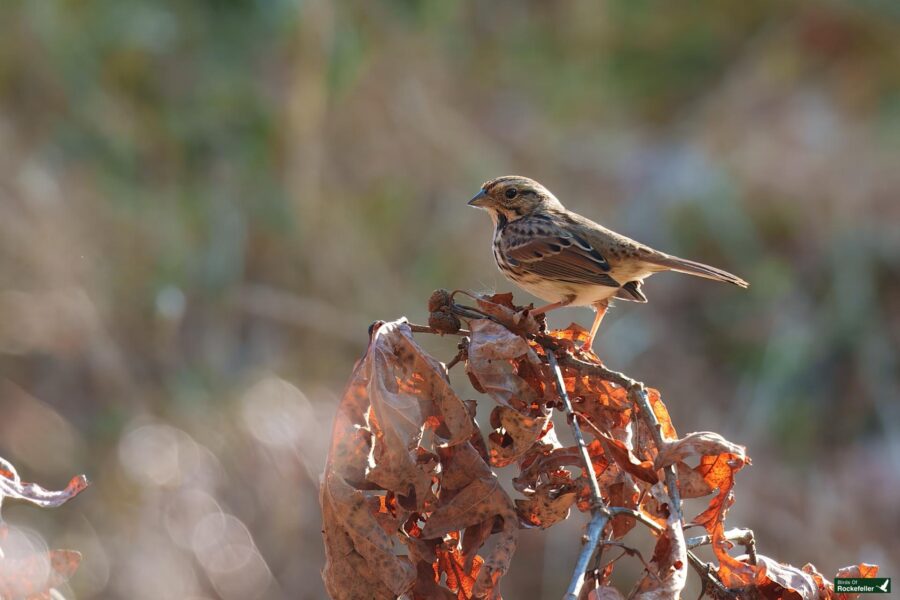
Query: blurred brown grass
x=203 y=206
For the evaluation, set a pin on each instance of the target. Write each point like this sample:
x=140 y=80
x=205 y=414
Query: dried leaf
x=406 y=388
x=496 y=564
x=855 y=571
x=605 y=592
x=427 y=586
x=547 y=506
x=732 y=572
x=718 y=472
x=773 y=579
x=37 y=574
x=515 y=434
x=493 y=349
x=481 y=499
x=825 y=588
x=662 y=415
x=514 y=318
x=702 y=443
x=669 y=566
x=860 y=570
x=459 y=579
x=360 y=558
x=627 y=461
x=552 y=462
x=409 y=498
x=395 y=393
x=691 y=483
x=11 y=486
x=624 y=493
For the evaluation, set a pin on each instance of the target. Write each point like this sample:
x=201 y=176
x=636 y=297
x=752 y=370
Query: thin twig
x=630 y=552
x=470 y=312
x=599 y=513
x=426 y=329
x=621 y=510
x=743 y=537
x=596 y=497
x=636 y=515
x=638 y=394
x=595 y=529
x=599 y=371
x=463 y=353
x=705 y=570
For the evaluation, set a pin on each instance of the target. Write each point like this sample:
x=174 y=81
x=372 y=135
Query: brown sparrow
x=566 y=259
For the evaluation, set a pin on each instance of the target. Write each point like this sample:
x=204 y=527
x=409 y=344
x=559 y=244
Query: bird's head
x=513 y=197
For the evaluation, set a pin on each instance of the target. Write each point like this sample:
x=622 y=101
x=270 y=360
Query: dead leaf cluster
x=412 y=506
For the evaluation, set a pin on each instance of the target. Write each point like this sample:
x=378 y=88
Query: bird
x=566 y=259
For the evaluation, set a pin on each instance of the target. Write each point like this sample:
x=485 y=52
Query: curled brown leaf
x=669 y=565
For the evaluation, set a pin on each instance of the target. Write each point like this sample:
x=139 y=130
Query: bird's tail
x=682 y=265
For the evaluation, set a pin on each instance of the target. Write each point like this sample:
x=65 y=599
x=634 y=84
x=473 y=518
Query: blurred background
x=204 y=205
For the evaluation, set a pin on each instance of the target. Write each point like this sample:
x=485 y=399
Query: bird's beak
x=479 y=200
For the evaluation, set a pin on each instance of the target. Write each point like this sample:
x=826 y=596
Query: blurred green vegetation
x=202 y=201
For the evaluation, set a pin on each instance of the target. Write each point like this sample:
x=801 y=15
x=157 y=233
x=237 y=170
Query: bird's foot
x=587 y=351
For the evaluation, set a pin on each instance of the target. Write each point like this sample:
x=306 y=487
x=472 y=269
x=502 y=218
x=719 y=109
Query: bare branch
x=638 y=395
x=637 y=516
x=595 y=529
x=599 y=371
x=572 y=418
x=709 y=579
x=600 y=513
x=743 y=537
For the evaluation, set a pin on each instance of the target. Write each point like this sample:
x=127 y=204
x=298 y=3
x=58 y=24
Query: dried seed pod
x=439 y=299
x=444 y=321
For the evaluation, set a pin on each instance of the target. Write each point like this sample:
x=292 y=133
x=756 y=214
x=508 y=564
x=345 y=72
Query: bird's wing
x=620 y=248
x=547 y=249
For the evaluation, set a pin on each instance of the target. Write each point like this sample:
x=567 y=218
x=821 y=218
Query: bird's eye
x=511 y=193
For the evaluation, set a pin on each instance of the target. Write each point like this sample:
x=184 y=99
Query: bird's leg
x=553 y=306
x=600 y=307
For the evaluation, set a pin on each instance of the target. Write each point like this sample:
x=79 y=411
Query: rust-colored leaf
x=662 y=415
x=460 y=580
x=573 y=336
x=852 y=571
x=732 y=572
x=702 y=443
x=360 y=557
x=496 y=563
x=860 y=570
x=623 y=493
x=718 y=472
x=627 y=461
